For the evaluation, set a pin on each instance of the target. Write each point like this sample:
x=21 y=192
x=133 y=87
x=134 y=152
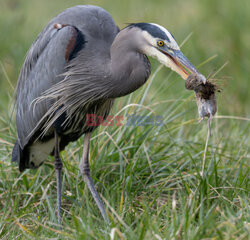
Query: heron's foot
x=58 y=168
x=88 y=180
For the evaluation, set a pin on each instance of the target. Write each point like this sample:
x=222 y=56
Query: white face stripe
x=151 y=40
x=173 y=44
x=150 y=50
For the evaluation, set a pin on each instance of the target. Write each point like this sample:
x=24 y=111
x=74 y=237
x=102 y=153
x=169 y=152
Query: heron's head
x=159 y=43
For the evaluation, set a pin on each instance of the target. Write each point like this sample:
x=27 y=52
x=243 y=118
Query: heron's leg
x=58 y=168
x=84 y=167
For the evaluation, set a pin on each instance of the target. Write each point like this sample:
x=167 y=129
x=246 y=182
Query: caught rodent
x=205 y=93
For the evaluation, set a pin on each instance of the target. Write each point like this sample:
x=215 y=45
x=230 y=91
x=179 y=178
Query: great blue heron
x=78 y=65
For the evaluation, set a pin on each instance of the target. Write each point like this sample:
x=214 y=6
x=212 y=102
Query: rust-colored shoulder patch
x=76 y=41
x=71 y=45
x=75 y=45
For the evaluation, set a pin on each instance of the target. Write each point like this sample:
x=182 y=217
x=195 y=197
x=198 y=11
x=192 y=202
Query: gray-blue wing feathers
x=42 y=69
x=50 y=58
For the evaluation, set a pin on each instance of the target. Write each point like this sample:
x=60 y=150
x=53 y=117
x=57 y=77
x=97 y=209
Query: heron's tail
x=18 y=156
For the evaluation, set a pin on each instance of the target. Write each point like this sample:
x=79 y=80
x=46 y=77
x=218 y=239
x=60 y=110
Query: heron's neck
x=129 y=68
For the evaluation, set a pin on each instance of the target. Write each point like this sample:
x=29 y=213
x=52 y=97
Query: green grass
x=149 y=177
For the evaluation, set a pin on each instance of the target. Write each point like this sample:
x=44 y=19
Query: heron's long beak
x=181 y=64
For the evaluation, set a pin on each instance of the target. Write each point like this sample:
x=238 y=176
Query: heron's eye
x=160 y=43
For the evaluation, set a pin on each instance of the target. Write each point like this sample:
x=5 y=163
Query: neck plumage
x=129 y=68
